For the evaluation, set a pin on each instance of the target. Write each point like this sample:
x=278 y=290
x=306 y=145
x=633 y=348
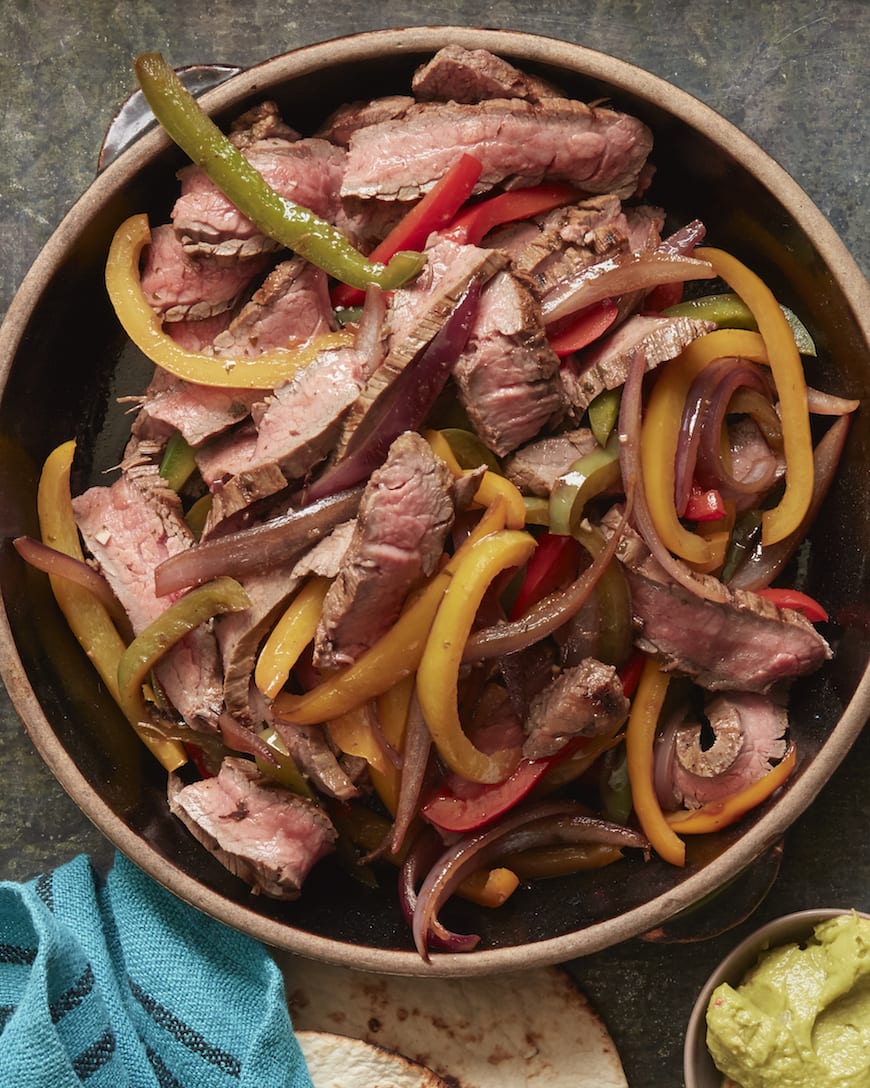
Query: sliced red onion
x=547 y=824
x=684 y=240
x=242 y=739
x=664 y=757
x=369 y=339
x=630 y=413
x=549 y=614
x=418 y=745
x=425 y=851
x=404 y=404
x=826 y=404
x=53 y=562
x=761 y=568
x=620 y=275
x=259 y=548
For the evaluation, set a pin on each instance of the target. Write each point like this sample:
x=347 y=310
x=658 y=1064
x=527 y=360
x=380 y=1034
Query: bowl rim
x=775 y=933
x=367 y=46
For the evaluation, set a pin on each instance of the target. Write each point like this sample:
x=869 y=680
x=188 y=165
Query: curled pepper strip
x=87 y=617
x=660 y=434
x=143 y=327
x=791 y=387
x=278 y=217
x=289 y=637
x=394 y=656
x=438 y=672
x=491 y=485
x=639 y=737
x=187 y=613
x=718 y=814
x=587 y=477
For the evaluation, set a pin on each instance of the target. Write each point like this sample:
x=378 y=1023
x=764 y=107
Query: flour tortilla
x=511 y=1030
x=335 y=1061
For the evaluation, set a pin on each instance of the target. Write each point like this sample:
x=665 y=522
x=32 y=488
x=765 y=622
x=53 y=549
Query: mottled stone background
x=793 y=74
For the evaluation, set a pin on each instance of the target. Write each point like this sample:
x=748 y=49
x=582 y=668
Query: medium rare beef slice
x=130 y=528
x=290 y=307
x=535 y=468
x=404 y=516
x=584 y=701
x=260 y=831
x=416 y=315
x=261 y=122
x=606 y=364
x=180 y=287
x=308 y=172
x=197 y=412
x=518 y=143
x=508 y=375
x=293 y=430
x=457 y=74
x=350 y=116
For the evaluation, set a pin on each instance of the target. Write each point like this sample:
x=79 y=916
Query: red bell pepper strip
x=663 y=296
x=475 y=222
x=582 y=329
x=799 y=602
x=476 y=804
x=631 y=672
x=554 y=562
x=704 y=505
x=434 y=211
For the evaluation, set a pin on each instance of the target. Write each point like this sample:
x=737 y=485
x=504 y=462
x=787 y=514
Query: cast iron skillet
x=64 y=362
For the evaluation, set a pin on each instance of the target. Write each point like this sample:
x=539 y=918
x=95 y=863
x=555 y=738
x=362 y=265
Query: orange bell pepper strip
x=438 y=672
x=433 y=211
x=289 y=637
x=491 y=485
x=639 y=738
x=718 y=814
x=144 y=328
x=660 y=434
x=788 y=376
x=86 y=615
x=394 y=656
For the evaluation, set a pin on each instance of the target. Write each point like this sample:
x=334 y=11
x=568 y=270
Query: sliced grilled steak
x=605 y=364
x=263 y=833
x=130 y=528
x=535 y=468
x=343 y=123
x=741 y=643
x=404 y=516
x=508 y=375
x=296 y=426
x=518 y=143
x=584 y=701
x=181 y=288
x=748 y=738
x=198 y=412
x=308 y=172
x=199 y=335
x=291 y=306
x=416 y=314
x=457 y=74
x=261 y=122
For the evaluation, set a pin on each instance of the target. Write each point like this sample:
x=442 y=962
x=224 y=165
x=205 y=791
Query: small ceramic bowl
x=699 y=1070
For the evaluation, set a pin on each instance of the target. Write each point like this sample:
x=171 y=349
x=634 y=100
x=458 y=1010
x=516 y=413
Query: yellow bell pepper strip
x=438 y=672
x=432 y=212
x=144 y=328
x=660 y=434
x=289 y=637
x=394 y=656
x=185 y=614
x=178 y=462
x=718 y=814
x=295 y=227
x=491 y=485
x=729 y=311
x=639 y=739
x=788 y=375
x=589 y=476
x=353 y=734
x=86 y=615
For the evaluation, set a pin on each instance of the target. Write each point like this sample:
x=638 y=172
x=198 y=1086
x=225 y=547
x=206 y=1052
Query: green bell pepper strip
x=587 y=477
x=603 y=414
x=178 y=462
x=295 y=227
x=729 y=311
x=187 y=613
x=469 y=451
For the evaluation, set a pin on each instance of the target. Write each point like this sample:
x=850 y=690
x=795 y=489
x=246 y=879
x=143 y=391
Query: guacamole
x=801 y=1017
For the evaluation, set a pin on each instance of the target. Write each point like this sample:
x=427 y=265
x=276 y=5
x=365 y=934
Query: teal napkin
x=118 y=983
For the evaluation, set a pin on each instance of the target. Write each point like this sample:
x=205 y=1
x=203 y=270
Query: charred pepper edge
x=295 y=227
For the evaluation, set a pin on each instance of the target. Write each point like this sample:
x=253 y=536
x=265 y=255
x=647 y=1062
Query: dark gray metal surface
x=791 y=73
